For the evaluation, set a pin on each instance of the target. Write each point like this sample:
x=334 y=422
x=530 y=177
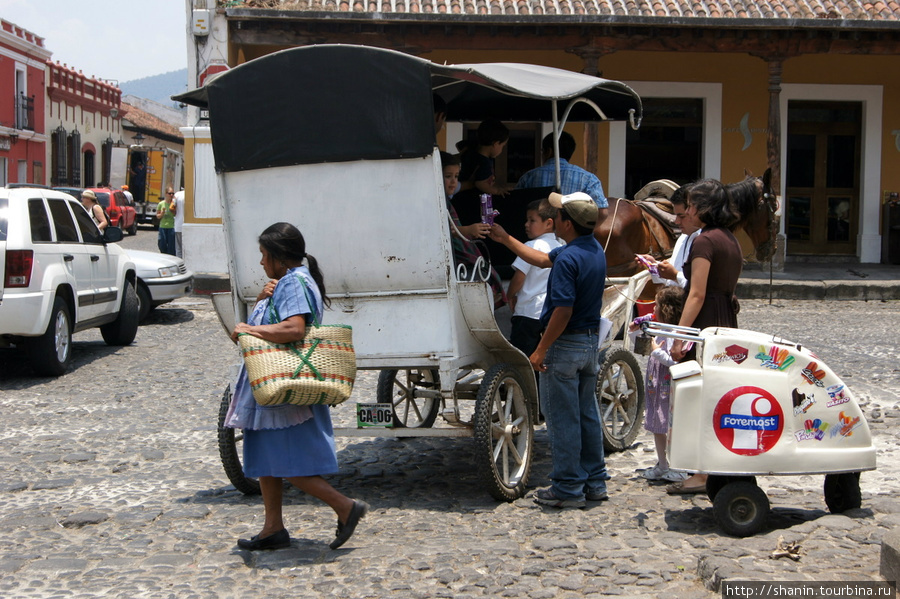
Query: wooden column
x=590 y=56
x=773 y=148
x=773 y=138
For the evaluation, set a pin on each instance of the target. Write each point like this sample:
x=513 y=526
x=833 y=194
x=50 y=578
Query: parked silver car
x=161 y=278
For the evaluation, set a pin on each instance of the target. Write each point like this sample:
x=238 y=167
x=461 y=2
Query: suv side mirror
x=112 y=234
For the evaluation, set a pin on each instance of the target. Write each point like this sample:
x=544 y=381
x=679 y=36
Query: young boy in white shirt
x=528 y=286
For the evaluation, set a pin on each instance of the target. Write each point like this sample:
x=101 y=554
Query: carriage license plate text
x=374 y=414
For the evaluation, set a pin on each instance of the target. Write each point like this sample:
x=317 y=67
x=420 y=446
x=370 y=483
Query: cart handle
x=661 y=329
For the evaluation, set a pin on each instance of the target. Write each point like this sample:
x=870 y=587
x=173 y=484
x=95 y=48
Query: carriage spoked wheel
x=230 y=450
x=402 y=389
x=620 y=393
x=504 y=433
x=741 y=508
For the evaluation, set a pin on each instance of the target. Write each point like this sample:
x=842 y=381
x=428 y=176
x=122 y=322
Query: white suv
x=60 y=275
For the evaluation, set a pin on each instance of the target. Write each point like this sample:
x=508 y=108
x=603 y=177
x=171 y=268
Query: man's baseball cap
x=579 y=205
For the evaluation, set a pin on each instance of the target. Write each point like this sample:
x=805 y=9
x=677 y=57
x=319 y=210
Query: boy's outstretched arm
x=529 y=255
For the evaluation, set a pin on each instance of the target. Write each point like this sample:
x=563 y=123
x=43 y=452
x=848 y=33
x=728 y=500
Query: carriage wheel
x=398 y=387
x=741 y=508
x=504 y=433
x=620 y=393
x=230 y=446
x=842 y=492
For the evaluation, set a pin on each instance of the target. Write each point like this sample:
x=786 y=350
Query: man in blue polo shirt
x=568 y=354
x=572 y=177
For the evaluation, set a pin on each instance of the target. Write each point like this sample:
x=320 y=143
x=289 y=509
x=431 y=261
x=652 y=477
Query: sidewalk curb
x=818 y=290
x=890 y=555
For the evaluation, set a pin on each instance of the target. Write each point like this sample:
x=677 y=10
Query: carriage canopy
x=337 y=103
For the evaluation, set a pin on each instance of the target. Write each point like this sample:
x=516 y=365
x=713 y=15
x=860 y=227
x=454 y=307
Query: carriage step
x=403 y=432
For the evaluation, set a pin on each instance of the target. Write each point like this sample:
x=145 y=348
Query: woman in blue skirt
x=287 y=441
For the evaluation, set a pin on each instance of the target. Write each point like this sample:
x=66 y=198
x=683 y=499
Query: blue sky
x=120 y=40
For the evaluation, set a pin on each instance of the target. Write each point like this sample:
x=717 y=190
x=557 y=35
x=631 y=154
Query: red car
x=120 y=210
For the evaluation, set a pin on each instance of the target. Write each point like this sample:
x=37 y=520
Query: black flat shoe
x=278 y=540
x=345 y=530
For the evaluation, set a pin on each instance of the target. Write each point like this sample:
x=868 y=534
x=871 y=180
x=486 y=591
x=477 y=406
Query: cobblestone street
x=111 y=486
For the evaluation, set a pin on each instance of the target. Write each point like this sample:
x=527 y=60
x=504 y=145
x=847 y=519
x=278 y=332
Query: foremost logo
x=750 y=423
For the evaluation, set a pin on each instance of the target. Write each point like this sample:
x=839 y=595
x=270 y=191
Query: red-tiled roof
x=855 y=10
x=147 y=122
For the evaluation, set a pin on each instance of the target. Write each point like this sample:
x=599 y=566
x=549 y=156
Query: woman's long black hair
x=284 y=242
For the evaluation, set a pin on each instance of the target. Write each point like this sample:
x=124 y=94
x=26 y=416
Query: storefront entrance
x=669 y=144
x=823 y=177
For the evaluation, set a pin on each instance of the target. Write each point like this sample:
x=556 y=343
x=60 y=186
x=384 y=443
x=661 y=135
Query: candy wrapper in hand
x=651 y=266
x=487 y=209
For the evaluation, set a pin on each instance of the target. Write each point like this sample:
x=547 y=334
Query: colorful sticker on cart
x=748 y=421
x=774 y=358
x=845 y=425
x=374 y=415
x=802 y=401
x=813 y=375
x=732 y=353
x=837 y=395
x=812 y=430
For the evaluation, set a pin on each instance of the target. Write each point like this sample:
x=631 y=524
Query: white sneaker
x=655 y=473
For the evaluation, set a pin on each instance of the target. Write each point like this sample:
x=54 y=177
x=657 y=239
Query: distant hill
x=159 y=88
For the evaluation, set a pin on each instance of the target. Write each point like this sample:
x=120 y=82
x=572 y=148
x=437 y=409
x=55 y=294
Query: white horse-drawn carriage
x=339 y=140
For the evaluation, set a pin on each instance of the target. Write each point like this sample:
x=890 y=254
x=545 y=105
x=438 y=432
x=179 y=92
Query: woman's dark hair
x=491 y=131
x=713 y=204
x=284 y=242
x=679 y=196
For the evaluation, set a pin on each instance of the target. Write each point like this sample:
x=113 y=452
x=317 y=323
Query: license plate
x=374 y=414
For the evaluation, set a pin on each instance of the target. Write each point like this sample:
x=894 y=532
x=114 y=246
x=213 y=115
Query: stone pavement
x=111 y=486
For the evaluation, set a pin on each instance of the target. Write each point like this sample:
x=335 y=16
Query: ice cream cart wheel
x=741 y=508
x=715 y=482
x=842 y=492
x=620 y=392
x=230 y=444
x=504 y=433
x=399 y=388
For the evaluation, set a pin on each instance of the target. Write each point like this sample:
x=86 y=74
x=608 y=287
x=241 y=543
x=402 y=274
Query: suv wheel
x=51 y=353
x=123 y=329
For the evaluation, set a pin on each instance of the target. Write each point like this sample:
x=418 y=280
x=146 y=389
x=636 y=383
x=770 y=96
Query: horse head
x=757 y=206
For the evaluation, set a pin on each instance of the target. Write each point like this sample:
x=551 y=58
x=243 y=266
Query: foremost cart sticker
x=748 y=421
x=374 y=414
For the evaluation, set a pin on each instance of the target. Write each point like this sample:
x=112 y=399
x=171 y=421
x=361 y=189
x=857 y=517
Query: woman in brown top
x=712 y=270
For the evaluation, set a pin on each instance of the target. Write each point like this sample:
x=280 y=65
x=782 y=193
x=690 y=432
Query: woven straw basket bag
x=320 y=369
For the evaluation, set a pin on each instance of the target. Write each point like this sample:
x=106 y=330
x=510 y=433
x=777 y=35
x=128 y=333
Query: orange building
x=806 y=89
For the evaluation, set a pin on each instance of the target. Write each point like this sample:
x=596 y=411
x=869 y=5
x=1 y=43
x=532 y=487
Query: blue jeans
x=570 y=408
x=165 y=241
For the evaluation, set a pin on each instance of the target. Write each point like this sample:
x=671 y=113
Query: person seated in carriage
x=463 y=237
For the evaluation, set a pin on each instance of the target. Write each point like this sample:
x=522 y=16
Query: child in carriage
x=669 y=303
x=462 y=236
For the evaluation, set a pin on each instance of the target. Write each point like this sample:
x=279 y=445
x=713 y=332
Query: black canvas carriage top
x=334 y=103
